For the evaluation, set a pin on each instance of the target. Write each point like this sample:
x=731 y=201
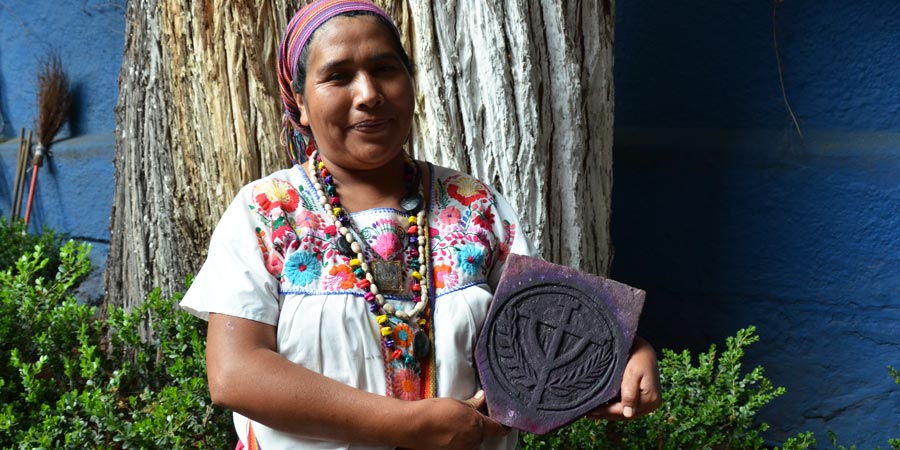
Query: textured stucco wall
x=87 y=34
x=727 y=218
x=75 y=187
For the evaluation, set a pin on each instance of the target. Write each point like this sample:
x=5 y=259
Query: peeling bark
x=520 y=94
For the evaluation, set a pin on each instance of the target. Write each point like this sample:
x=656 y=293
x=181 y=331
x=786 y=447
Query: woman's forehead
x=343 y=37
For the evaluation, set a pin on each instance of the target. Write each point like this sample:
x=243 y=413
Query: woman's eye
x=388 y=68
x=336 y=76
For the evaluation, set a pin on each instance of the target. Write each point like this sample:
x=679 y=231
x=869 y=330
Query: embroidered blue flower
x=470 y=258
x=302 y=268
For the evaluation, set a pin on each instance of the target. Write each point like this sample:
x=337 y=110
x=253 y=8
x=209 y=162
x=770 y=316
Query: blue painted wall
x=75 y=187
x=727 y=218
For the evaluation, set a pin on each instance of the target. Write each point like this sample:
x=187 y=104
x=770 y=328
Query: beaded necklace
x=404 y=334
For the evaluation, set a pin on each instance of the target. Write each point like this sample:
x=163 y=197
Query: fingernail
x=627 y=411
x=479 y=394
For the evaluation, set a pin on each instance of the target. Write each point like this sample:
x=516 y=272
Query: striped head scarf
x=296 y=37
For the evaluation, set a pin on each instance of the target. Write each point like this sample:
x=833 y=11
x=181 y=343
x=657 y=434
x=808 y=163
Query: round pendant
x=411 y=203
x=344 y=247
x=421 y=345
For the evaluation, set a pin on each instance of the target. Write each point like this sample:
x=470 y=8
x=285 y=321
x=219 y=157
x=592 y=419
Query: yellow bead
x=354 y=263
x=385 y=331
x=381 y=319
x=416 y=275
x=412 y=220
x=421 y=322
x=336 y=211
x=321 y=165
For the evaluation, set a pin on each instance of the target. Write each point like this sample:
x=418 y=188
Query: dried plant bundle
x=54 y=99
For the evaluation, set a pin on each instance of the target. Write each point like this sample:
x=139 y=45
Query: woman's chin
x=371 y=157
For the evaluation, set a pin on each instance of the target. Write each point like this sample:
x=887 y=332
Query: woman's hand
x=448 y=424
x=640 y=393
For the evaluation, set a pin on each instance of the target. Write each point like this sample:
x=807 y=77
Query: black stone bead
x=344 y=247
x=421 y=345
x=412 y=203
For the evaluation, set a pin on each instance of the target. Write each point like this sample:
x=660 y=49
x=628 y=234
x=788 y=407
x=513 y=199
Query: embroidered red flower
x=466 y=190
x=406 y=384
x=484 y=219
x=284 y=235
x=274 y=264
x=275 y=193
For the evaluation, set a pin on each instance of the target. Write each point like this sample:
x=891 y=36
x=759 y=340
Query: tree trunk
x=519 y=93
x=198 y=116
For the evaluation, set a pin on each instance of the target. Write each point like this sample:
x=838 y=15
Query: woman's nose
x=368 y=92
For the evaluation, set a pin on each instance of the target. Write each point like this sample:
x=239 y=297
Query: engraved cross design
x=551 y=358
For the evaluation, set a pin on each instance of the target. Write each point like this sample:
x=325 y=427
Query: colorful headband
x=297 y=35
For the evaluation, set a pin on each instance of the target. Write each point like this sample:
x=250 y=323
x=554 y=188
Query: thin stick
x=20 y=166
x=26 y=156
x=778 y=61
x=34 y=173
x=21 y=180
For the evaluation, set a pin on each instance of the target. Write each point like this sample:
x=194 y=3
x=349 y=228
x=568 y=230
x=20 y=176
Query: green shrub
x=15 y=242
x=63 y=386
x=711 y=405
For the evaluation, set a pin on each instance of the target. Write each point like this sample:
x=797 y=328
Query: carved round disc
x=552 y=348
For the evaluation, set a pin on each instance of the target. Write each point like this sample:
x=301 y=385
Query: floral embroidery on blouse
x=340 y=278
x=302 y=268
x=470 y=239
x=470 y=258
x=444 y=277
x=467 y=190
x=275 y=193
x=467 y=237
x=406 y=384
x=383 y=236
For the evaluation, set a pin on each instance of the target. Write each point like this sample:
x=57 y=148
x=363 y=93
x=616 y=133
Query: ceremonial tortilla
x=554 y=344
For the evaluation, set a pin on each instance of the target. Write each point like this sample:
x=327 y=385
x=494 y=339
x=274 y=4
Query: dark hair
x=299 y=82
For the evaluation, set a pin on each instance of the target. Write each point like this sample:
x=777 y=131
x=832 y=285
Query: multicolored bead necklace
x=375 y=276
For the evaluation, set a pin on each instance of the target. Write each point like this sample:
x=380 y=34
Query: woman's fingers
x=640 y=391
x=477 y=400
x=489 y=426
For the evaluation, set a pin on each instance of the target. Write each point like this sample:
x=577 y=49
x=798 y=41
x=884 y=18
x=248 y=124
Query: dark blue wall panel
x=727 y=218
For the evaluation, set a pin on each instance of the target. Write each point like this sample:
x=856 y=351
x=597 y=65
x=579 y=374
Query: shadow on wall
x=5 y=128
x=75 y=124
x=703 y=65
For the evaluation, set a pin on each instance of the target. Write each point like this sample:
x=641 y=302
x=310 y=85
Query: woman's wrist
x=413 y=423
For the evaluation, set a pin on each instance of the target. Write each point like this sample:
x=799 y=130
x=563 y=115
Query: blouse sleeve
x=511 y=237
x=234 y=279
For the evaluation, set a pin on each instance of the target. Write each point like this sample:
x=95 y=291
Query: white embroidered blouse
x=271 y=260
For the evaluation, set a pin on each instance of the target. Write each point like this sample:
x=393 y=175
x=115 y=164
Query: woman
x=344 y=295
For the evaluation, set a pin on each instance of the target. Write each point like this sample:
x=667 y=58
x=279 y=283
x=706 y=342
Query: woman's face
x=358 y=97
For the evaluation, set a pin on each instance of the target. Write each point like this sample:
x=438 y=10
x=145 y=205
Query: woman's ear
x=301 y=105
